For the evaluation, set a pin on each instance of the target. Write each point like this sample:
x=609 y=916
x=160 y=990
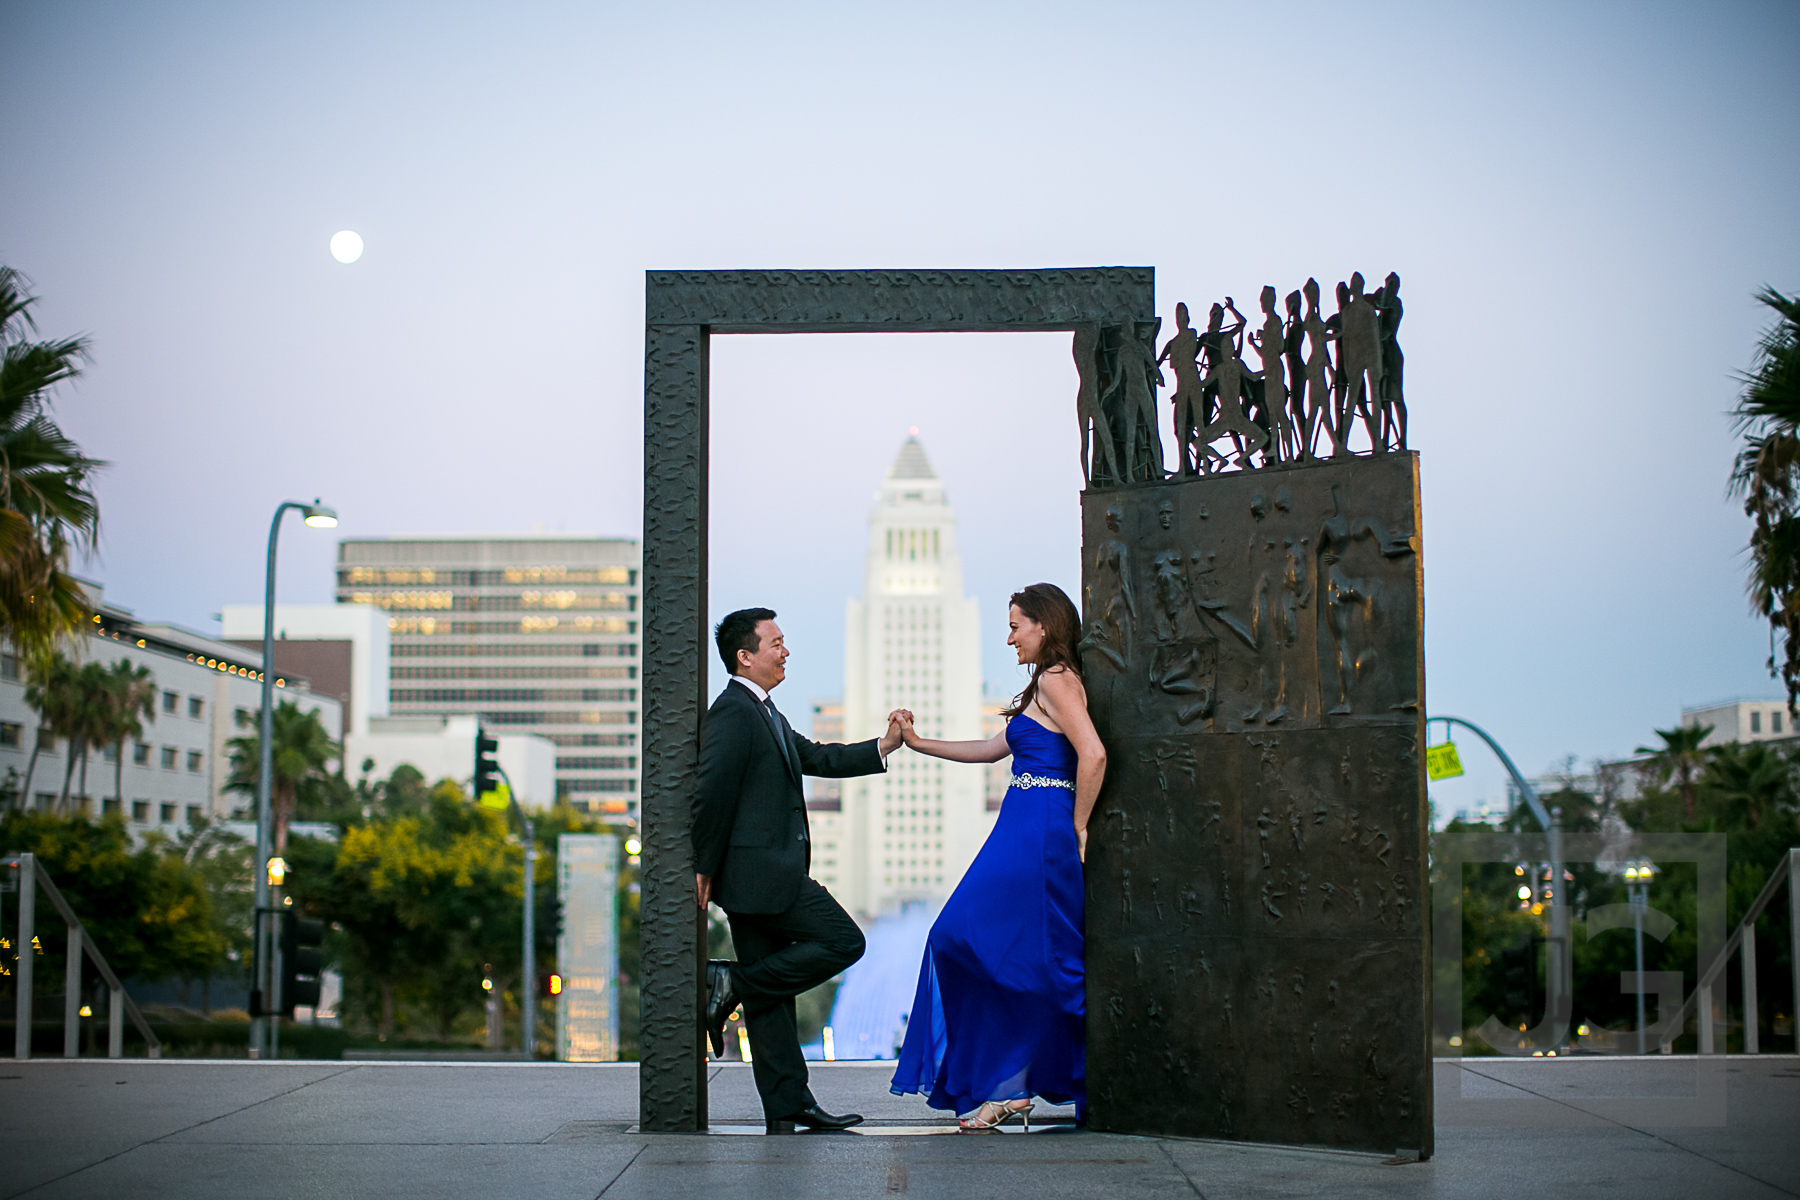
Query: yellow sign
x=499 y=798
x=1441 y=762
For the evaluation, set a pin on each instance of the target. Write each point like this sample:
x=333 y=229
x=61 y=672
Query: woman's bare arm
x=986 y=751
x=1064 y=701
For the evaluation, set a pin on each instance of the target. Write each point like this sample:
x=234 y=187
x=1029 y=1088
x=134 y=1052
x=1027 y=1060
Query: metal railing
x=119 y=1004
x=1704 y=999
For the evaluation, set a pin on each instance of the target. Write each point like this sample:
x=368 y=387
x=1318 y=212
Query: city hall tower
x=912 y=641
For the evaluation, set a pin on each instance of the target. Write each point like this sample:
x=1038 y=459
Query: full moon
x=346 y=246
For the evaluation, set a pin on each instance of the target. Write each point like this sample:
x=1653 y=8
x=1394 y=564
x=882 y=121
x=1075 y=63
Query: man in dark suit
x=752 y=851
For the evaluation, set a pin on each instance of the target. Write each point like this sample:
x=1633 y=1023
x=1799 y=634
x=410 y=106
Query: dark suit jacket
x=750 y=832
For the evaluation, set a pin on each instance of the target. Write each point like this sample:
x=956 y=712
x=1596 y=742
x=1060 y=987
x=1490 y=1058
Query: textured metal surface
x=1256 y=931
x=682 y=309
x=672 y=1092
x=899 y=301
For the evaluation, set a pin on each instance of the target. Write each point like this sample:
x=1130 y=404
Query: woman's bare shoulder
x=1061 y=681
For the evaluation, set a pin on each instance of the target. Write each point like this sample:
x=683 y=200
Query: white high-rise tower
x=912 y=641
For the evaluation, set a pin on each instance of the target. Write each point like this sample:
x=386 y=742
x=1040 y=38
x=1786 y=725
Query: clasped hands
x=900 y=729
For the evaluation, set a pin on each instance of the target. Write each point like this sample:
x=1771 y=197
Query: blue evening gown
x=1001 y=1005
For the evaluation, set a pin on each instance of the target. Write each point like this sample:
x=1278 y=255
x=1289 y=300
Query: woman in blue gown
x=999 y=1015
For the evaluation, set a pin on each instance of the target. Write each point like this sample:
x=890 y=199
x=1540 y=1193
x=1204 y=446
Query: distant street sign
x=1441 y=762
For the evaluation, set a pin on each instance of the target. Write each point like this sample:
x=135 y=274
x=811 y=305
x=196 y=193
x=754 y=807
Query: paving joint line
x=1655 y=1137
x=622 y=1170
x=1170 y=1155
x=164 y=1137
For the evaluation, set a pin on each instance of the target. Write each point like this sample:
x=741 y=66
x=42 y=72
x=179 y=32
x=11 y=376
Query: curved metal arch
x=1525 y=789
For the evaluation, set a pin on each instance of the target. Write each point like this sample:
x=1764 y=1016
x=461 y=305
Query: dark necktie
x=787 y=751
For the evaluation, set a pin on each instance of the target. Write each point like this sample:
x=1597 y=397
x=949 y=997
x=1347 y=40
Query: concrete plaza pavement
x=204 y=1129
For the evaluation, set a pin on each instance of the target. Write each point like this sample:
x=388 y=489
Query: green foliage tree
x=302 y=753
x=426 y=900
x=147 y=909
x=1767 y=474
x=46 y=503
x=222 y=860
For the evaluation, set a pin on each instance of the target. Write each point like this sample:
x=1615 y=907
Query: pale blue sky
x=1580 y=197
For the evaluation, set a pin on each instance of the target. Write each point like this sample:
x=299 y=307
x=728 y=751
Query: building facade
x=531 y=634
x=1741 y=721
x=912 y=641
x=176 y=773
x=343 y=649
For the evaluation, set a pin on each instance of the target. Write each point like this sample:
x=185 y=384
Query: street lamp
x=270 y=871
x=1637 y=889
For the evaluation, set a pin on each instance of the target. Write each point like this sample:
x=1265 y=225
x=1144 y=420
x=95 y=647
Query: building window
x=196 y=706
x=1775 y=721
x=168 y=758
x=110 y=806
x=140 y=755
x=195 y=758
x=140 y=811
x=167 y=814
x=11 y=732
x=244 y=718
x=194 y=814
x=1755 y=722
x=170 y=699
x=9 y=665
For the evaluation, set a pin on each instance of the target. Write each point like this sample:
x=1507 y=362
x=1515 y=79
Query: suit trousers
x=780 y=955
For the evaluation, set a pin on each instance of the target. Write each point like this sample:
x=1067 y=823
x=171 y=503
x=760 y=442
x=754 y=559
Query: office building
x=532 y=633
x=342 y=648
x=1741 y=721
x=174 y=774
x=912 y=641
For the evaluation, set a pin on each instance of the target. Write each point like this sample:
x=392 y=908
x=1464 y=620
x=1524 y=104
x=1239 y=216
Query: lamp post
x=1637 y=889
x=262 y=977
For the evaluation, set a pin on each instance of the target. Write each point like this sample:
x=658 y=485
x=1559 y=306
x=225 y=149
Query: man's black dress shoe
x=815 y=1118
x=720 y=1000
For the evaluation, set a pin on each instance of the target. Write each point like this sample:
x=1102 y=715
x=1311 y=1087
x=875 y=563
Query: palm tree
x=133 y=696
x=1679 y=758
x=1767 y=475
x=1749 y=783
x=46 y=503
x=50 y=689
x=90 y=720
x=302 y=751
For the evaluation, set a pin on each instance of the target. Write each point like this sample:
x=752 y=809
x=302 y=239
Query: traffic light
x=1519 y=978
x=489 y=791
x=302 y=961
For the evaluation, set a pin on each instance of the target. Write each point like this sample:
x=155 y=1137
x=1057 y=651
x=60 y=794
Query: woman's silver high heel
x=977 y=1124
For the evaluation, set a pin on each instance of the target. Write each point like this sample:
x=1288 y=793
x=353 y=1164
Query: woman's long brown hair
x=1050 y=607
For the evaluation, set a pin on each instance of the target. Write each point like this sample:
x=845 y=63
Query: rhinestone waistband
x=1029 y=780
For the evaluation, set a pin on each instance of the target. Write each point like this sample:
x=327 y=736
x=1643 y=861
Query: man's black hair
x=738 y=632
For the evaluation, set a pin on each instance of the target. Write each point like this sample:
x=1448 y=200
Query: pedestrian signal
x=1441 y=762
